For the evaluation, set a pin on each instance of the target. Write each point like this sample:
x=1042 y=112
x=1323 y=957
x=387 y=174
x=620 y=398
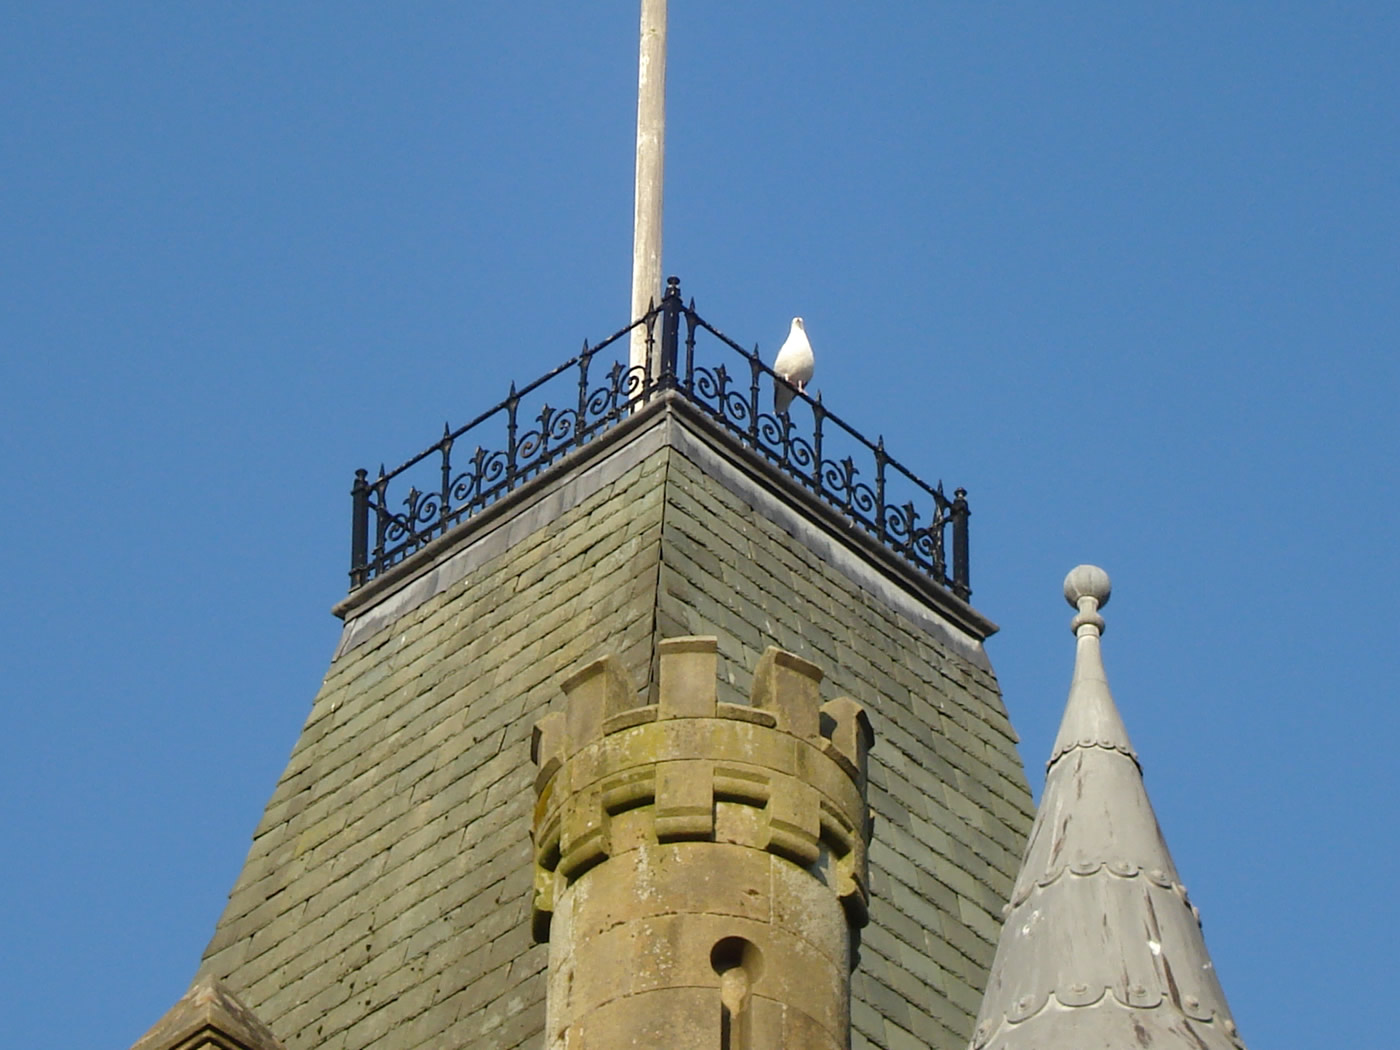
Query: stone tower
x=697 y=863
x=387 y=899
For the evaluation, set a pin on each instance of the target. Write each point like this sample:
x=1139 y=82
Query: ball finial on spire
x=1087 y=588
x=1087 y=581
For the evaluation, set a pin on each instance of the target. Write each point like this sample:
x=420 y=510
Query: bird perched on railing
x=794 y=365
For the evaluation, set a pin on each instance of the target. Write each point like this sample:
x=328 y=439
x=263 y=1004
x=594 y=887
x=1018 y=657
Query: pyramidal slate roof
x=209 y=1017
x=1101 y=947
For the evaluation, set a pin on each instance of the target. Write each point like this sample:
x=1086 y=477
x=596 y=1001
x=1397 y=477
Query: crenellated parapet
x=740 y=829
x=784 y=774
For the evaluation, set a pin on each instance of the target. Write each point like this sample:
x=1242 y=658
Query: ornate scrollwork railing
x=526 y=433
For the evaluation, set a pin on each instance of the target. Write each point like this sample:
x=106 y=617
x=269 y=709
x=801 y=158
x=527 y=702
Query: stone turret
x=700 y=867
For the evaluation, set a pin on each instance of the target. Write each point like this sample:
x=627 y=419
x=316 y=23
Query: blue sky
x=1128 y=272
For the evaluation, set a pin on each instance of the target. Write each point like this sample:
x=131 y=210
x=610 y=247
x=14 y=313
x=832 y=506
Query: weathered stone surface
x=693 y=852
x=386 y=898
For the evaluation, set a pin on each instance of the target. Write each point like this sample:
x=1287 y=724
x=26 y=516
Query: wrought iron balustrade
x=523 y=435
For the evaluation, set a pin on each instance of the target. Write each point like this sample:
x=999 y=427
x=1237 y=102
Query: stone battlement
x=785 y=774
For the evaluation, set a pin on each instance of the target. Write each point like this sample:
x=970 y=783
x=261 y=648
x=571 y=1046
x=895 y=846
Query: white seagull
x=794 y=365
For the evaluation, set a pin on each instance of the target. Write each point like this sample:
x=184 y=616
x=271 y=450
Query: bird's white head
x=797 y=323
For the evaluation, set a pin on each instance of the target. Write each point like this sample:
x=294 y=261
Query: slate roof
x=385 y=903
x=1101 y=947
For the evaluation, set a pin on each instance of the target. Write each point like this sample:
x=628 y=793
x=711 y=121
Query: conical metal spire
x=1101 y=949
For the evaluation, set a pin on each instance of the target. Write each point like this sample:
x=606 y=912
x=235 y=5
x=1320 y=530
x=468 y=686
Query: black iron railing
x=523 y=435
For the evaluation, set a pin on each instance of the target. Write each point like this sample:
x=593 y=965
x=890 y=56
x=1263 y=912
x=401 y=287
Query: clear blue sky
x=1128 y=272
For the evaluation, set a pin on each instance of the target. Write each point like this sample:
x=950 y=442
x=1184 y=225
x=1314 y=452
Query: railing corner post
x=359 y=529
x=961 y=584
x=671 y=307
